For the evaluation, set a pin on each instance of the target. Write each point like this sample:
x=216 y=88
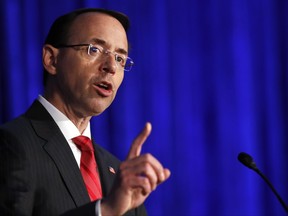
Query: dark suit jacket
x=38 y=172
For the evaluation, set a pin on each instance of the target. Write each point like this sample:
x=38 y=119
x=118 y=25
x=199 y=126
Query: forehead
x=98 y=25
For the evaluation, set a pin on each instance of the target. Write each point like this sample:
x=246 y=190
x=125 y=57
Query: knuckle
x=146 y=181
x=147 y=157
x=146 y=165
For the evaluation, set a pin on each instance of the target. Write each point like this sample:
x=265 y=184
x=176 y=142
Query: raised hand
x=137 y=177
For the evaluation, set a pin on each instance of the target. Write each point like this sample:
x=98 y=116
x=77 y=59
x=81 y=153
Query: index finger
x=136 y=146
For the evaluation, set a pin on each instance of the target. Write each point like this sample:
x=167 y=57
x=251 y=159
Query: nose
x=109 y=64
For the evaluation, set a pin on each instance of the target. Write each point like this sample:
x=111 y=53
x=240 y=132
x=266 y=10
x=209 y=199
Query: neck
x=80 y=121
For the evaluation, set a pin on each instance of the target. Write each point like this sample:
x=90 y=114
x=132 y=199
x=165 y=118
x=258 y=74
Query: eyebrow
x=103 y=43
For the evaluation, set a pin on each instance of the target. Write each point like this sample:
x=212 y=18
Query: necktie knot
x=83 y=143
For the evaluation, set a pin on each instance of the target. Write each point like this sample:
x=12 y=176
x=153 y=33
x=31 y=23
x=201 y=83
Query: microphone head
x=247 y=160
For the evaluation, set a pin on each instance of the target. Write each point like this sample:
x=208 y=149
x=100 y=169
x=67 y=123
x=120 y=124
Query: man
x=84 y=58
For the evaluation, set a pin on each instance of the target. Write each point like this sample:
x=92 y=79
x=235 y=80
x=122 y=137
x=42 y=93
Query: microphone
x=248 y=161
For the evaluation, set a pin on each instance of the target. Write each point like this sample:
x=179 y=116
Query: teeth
x=103 y=85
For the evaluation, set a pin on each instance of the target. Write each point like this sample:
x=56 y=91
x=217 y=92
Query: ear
x=49 y=58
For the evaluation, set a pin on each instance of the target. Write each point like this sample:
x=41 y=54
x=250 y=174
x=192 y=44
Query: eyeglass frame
x=102 y=51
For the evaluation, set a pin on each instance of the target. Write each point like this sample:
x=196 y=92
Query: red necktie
x=88 y=167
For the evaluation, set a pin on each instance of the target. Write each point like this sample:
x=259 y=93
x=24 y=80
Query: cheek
x=74 y=70
x=119 y=80
x=72 y=81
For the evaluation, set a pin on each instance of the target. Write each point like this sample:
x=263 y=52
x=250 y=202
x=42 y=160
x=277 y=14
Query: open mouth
x=104 y=88
x=102 y=85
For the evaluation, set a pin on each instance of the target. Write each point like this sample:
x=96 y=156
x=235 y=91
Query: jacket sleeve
x=16 y=177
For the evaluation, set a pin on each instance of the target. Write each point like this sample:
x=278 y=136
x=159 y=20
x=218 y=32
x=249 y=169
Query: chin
x=98 y=110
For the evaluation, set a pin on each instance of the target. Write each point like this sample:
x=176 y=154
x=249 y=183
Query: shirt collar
x=66 y=126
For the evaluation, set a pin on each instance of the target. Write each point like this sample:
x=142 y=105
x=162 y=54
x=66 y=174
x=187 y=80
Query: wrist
x=108 y=209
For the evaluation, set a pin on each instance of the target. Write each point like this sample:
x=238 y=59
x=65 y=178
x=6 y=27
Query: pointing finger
x=136 y=146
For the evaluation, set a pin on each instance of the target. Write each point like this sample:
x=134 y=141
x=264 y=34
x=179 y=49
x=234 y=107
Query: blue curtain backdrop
x=211 y=76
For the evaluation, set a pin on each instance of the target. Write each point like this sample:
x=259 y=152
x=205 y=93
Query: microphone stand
x=272 y=188
x=247 y=160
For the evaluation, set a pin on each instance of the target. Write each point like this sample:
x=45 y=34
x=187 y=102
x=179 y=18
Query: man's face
x=87 y=86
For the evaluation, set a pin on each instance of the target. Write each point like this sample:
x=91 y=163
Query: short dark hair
x=59 y=30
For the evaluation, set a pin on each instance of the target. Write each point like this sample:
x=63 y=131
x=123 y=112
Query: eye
x=120 y=59
x=94 y=50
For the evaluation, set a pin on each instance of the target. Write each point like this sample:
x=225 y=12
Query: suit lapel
x=68 y=168
x=107 y=169
x=59 y=151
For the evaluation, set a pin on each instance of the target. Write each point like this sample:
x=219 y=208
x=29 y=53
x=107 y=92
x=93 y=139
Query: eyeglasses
x=96 y=51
